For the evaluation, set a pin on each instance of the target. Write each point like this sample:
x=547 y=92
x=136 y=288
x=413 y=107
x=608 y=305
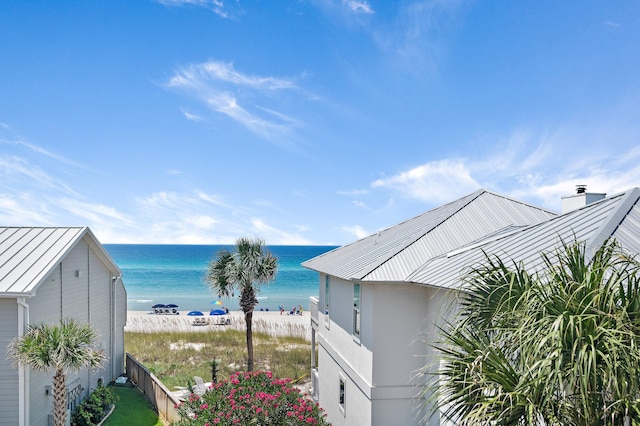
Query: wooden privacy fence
x=156 y=393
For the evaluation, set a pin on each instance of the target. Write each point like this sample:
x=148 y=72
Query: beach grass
x=176 y=356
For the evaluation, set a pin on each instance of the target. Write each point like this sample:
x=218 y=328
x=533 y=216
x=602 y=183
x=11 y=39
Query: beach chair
x=200 y=387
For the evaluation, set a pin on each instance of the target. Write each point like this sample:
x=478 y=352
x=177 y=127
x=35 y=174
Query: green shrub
x=251 y=398
x=94 y=407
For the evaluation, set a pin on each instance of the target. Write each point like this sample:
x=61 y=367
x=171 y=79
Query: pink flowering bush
x=251 y=398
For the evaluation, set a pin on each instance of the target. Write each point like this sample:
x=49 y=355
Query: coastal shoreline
x=269 y=322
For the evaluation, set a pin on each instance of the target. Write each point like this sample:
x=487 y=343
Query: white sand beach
x=270 y=322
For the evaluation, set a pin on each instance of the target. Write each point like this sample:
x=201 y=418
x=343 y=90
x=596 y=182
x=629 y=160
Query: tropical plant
x=251 y=398
x=94 y=408
x=560 y=346
x=244 y=271
x=65 y=346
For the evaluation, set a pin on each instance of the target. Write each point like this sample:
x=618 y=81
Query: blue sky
x=307 y=122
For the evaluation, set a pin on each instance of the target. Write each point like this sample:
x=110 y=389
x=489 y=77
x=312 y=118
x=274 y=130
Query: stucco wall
x=397 y=328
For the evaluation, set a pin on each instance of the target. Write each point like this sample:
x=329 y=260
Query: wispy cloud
x=359 y=6
x=432 y=182
x=612 y=24
x=252 y=101
x=192 y=117
x=217 y=6
x=353 y=192
x=413 y=40
x=275 y=235
x=538 y=168
x=355 y=230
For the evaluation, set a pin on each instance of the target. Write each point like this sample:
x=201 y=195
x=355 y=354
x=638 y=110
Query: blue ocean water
x=175 y=274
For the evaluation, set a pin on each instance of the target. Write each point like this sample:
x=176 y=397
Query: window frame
x=327 y=300
x=356 y=318
x=342 y=393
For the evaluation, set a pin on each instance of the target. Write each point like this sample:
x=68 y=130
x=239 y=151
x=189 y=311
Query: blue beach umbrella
x=170 y=305
x=195 y=314
x=158 y=305
x=217 y=312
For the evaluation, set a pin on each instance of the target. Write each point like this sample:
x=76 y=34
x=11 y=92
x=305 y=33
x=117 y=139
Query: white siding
x=121 y=320
x=75 y=290
x=8 y=374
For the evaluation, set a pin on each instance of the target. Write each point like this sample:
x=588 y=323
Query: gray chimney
x=580 y=199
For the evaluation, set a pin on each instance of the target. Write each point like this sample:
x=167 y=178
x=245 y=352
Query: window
x=326 y=299
x=341 y=395
x=356 y=310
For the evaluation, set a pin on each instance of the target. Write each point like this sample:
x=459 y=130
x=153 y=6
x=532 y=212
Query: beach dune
x=268 y=322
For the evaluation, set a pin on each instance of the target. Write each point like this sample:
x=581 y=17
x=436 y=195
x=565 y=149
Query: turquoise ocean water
x=175 y=274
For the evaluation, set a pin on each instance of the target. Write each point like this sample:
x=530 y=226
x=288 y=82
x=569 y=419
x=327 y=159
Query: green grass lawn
x=132 y=409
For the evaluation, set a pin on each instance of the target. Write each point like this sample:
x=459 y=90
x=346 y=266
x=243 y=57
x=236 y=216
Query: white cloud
x=359 y=6
x=216 y=6
x=247 y=99
x=353 y=192
x=192 y=117
x=537 y=168
x=355 y=230
x=437 y=181
x=612 y=24
x=275 y=236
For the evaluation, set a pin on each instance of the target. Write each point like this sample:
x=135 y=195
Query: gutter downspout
x=23 y=382
x=114 y=323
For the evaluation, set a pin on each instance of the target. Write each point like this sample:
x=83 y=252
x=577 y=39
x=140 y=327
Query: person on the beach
x=281 y=309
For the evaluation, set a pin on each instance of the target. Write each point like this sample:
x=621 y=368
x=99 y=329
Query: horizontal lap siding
x=121 y=320
x=100 y=305
x=46 y=306
x=8 y=374
x=75 y=290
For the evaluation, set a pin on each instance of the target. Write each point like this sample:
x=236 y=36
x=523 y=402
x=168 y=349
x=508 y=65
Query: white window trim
x=327 y=301
x=342 y=393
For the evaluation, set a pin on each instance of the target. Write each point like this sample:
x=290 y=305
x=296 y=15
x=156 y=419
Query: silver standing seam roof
x=396 y=253
x=29 y=254
x=616 y=217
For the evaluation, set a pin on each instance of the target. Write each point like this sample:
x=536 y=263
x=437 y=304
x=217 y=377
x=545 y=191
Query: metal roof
x=617 y=216
x=394 y=254
x=28 y=255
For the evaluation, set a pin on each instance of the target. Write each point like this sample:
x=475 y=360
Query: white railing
x=314 y=384
x=313 y=305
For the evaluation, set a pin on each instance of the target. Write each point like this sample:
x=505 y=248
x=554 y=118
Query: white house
x=47 y=274
x=381 y=297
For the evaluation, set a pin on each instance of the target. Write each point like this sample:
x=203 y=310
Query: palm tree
x=47 y=347
x=557 y=347
x=244 y=270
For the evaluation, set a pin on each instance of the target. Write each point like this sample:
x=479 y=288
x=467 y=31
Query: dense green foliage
x=243 y=270
x=557 y=347
x=93 y=409
x=251 y=398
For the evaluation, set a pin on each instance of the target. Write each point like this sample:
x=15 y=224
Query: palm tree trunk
x=59 y=398
x=248 y=317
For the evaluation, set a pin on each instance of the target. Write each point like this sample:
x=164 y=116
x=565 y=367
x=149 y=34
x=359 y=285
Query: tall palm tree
x=65 y=346
x=557 y=347
x=244 y=271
